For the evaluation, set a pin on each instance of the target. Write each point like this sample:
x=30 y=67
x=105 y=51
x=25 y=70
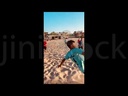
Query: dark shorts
x=81 y=47
x=45 y=47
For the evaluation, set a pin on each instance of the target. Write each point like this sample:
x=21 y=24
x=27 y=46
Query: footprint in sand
x=74 y=65
x=52 y=77
x=48 y=66
x=64 y=76
x=56 y=74
x=65 y=69
x=70 y=75
x=74 y=72
x=70 y=64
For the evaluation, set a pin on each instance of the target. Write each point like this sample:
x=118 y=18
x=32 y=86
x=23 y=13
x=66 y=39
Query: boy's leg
x=81 y=66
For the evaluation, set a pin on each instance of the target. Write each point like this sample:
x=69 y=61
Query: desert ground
x=68 y=73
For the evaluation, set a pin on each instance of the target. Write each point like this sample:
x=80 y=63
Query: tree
x=74 y=33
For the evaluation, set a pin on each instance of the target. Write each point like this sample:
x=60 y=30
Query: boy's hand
x=59 y=66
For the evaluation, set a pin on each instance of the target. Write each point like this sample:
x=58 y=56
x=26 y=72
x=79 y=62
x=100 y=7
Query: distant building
x=78 y=34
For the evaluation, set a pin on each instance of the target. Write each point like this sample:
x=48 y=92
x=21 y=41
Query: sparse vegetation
x=59 y=35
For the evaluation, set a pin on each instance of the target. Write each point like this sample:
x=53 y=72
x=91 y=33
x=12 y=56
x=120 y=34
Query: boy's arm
x=65 y=58
x=80 y=51
x=61 y=62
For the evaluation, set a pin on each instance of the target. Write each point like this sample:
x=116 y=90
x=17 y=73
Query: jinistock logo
x=21 y=45
x=114 y=49
x=89 y=50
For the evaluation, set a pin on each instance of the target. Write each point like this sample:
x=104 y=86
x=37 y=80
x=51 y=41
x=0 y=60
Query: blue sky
x=60 y=21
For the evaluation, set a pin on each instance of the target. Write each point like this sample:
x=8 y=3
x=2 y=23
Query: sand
x=68 y=73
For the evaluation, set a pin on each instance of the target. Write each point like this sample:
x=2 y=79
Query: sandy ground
x=68 y=73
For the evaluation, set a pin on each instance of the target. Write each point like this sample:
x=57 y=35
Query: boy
x=45 y=44
x=78 y=43
x=75 y=54
x=81 y=44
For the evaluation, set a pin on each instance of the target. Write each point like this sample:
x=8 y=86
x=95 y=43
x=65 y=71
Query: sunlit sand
x=68 y=73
